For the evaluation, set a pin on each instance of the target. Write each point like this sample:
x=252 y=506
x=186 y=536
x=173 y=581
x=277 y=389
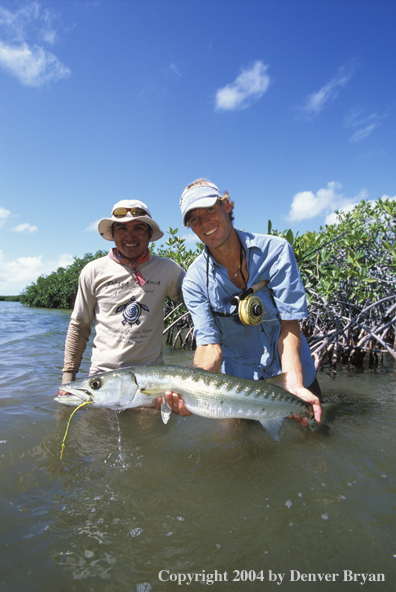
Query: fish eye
x=95 y=383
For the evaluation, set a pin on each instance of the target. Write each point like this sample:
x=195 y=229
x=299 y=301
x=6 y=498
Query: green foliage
x=9 y=298
x=175 y=249
x=349 y=276
x=59 y=289
x=354 y=260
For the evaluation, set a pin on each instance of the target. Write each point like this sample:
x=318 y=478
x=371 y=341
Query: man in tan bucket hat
x=123 y=293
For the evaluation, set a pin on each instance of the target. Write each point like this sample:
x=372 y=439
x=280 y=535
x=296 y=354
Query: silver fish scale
x=207 y=394
x=220 y=395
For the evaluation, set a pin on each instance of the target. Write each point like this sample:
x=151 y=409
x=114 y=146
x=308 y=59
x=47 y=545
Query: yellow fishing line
x=68 y=425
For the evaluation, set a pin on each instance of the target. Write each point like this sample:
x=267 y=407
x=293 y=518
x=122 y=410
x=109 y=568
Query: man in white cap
x=124 y=294
x=254 y=339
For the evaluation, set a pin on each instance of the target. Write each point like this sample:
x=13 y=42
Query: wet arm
x=289 y=347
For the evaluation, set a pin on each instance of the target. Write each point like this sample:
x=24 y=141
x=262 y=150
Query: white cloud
x=64 y=260
x=25 y=228
x=316 y=102
x=47 y=33
x=4 y=214
x=33 y=66
x=333 y=217
x=93 y=227
x=26 y=59
x=362 y=133
x=18 y=274
x=364 y=124
x=30 y=19
x=307 y=205
x=247 y=88
x=173 y=69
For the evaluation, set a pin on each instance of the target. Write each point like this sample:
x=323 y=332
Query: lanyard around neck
x=215 y=312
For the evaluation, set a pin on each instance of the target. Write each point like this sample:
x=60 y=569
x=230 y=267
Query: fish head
x=117 y=389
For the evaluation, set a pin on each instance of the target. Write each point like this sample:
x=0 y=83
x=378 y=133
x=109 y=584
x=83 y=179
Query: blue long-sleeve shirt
x=249 y=351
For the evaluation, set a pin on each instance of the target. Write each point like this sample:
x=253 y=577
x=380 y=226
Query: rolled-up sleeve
x=205 y=329
x=286 y=285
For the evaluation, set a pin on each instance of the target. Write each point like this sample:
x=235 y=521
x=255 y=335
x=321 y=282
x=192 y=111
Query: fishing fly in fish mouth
x=207 y=394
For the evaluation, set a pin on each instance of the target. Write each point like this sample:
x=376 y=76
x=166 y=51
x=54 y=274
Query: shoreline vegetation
x=348 y=270
x=10 y=298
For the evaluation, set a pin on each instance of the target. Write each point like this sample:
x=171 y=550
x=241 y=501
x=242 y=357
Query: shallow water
x=136 y=504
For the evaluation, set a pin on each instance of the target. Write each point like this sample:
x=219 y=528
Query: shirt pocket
x=229 y=327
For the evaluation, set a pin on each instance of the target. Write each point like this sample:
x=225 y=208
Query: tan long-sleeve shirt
x=128 y=317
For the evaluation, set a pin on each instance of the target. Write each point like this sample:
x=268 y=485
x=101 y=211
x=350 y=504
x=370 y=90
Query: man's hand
x=207 y=357
x=307 y=396
x=289 y=345
x=175 y=402
x=61 y=393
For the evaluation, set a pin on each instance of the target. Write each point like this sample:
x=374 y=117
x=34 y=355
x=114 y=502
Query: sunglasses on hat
x=122 y=212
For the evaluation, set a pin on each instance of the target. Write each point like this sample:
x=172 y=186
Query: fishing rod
x=329 y=242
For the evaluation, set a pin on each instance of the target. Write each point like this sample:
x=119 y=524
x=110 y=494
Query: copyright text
x=236 y=575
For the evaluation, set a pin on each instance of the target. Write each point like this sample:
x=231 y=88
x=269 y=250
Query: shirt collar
x=248 y=241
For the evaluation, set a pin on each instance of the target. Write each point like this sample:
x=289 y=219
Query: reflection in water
x=133 y=496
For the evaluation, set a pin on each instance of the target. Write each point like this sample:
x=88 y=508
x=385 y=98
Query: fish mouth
x=72 y=396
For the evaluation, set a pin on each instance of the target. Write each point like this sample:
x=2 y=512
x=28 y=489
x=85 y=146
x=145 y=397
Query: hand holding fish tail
x=289 y=347
x=310 y=398
x=293 y=384
x=175 y=402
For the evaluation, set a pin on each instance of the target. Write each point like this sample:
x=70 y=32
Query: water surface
x=136 y=504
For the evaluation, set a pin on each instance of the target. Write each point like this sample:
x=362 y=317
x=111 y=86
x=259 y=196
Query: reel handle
x=235 y=300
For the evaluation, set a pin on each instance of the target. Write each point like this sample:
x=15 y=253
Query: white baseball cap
x=198 y=196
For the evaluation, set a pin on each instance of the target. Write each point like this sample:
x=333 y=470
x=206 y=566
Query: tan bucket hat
x=125 y=211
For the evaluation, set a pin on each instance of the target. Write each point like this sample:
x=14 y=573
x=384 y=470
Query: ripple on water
x=133 y=496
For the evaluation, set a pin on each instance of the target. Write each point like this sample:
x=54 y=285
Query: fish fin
x=279 y=380
x=153 y=392
x=329 y=411
x=273 y=426
x=166 y=411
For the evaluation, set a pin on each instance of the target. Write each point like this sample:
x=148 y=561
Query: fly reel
x=251 y=310
x=250 y=307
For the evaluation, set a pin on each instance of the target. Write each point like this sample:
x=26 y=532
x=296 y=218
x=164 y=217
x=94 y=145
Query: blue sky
x=288 y=104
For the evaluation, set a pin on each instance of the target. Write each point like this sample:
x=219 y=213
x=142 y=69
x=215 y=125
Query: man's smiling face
x=212 y=225
x=132 y=238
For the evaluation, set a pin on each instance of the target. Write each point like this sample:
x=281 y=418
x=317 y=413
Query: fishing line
x=68 y=425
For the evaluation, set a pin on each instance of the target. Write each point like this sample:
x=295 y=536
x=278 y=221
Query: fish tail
x=329 y=412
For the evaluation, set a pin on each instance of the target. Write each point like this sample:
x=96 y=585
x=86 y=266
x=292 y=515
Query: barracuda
x=207 y=394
